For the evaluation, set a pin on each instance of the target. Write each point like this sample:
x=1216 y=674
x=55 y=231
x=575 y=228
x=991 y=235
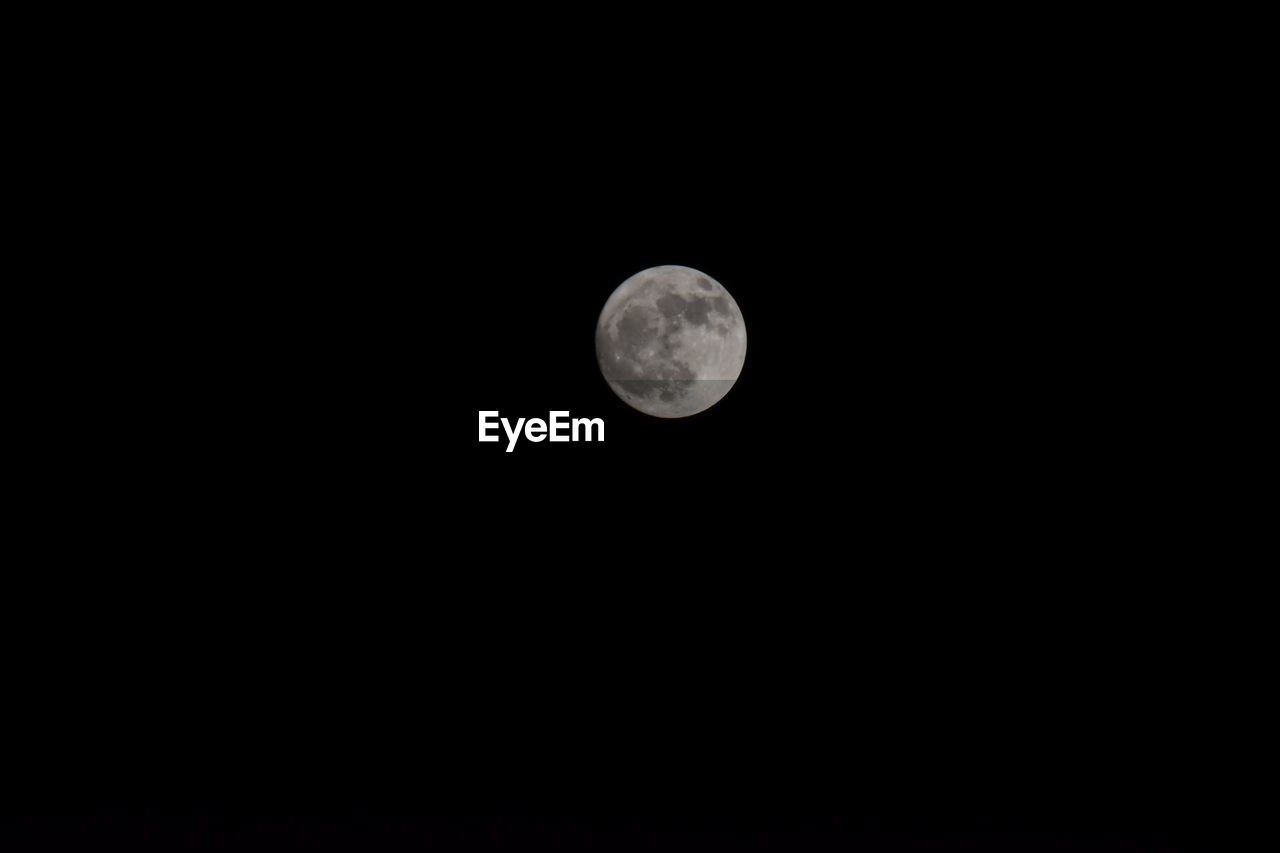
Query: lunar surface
x=671 y=341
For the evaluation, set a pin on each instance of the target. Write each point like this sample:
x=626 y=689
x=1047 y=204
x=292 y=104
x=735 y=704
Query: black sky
x=912 y=520
x=905 y=573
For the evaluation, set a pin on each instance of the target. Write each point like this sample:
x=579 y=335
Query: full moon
x=671 y=341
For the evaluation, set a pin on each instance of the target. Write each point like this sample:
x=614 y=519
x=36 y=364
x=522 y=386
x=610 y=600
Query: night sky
x=904 y=588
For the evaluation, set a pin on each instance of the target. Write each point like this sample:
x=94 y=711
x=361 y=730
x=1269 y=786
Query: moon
x=671 y=341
